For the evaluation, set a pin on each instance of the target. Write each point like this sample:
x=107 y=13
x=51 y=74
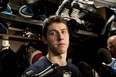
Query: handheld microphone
x=105 y=56
x=48 y=70
x=43 y=73
x=85 y=69
x=29 y=74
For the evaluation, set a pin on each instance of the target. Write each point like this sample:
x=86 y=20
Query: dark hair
x=51 y=20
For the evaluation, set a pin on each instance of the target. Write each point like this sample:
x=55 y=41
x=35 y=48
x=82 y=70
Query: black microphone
x=85 y=69
x=105 y=56
x=30 y=73
x=49 y=70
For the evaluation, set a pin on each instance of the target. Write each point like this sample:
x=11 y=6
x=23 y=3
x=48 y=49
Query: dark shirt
x=69 y=69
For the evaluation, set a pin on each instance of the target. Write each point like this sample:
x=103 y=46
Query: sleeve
x=36 y=55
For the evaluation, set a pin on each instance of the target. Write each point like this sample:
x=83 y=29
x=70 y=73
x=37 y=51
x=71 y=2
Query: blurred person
x=108 y=56
x=111 y=45
x=27 y=54
x=34 y=52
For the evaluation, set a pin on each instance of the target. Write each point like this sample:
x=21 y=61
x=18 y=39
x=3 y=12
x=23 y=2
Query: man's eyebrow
x=52 y=30
x=56 y=30
x=64 y=29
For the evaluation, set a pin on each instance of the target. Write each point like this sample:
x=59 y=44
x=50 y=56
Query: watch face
x=67 y=73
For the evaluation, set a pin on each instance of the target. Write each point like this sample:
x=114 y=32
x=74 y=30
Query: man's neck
x=61 y=59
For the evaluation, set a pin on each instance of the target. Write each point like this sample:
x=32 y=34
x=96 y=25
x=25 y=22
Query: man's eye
x=52 y=33
x=64 y=32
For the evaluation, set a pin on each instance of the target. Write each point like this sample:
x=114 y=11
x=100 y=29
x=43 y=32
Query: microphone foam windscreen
x=104 y=55
x=85 y=69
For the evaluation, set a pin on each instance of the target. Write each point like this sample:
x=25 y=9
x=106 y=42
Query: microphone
x=52 y=68
x=85 y=69
x=48 y=70
x=29 y=74
x=105 y=56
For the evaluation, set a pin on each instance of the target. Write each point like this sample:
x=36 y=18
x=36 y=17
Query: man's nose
x=60 y=36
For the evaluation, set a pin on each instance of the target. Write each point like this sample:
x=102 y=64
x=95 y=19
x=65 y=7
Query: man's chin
x=63 y=51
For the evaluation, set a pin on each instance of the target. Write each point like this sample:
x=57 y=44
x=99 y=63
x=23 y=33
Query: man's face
x=57 y=38
x=112 y=49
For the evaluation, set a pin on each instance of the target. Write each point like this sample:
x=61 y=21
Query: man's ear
x=108 y=47
x=44 y=39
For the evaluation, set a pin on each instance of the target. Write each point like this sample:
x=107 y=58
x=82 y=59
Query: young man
x=56 y=36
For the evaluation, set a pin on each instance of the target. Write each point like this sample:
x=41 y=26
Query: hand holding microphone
x=30 y=73
x=47 y=71
x=51 y=69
